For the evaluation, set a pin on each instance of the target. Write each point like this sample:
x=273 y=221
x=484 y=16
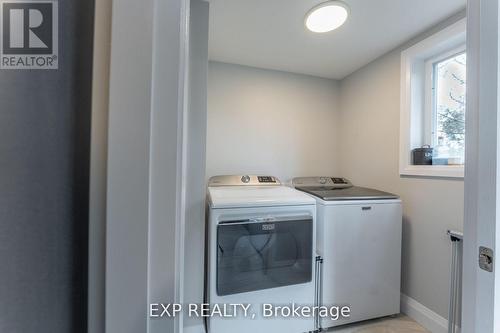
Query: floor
x=397 y=324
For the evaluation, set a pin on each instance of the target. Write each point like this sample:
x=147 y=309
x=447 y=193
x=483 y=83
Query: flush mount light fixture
x=327 y=16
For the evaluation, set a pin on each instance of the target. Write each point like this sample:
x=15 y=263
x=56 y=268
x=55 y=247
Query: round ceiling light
x=327 y=16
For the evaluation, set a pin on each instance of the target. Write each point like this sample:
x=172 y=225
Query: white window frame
x=416 y=105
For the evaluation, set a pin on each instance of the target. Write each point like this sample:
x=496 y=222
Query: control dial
x=322 y=180
x=245 y=179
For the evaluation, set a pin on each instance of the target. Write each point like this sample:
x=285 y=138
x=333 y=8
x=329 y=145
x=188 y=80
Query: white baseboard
x=424 y=316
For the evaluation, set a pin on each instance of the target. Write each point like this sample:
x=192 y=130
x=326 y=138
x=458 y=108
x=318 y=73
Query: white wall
x=369 y=131
x=270 y=122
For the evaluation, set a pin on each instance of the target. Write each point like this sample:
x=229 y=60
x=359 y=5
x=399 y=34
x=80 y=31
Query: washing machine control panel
x=331 y=182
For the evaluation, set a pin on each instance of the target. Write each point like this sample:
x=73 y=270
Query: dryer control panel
x=331 y=182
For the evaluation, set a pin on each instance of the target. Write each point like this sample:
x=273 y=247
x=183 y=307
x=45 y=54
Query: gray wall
x=270 y=122
x=370 y=105
x=44 y=149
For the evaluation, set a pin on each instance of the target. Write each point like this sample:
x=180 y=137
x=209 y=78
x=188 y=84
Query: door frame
x=138 y=163
x=481 y=164
x=479 y=297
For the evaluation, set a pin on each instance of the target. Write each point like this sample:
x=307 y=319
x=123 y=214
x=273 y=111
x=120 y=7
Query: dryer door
x=263 y=253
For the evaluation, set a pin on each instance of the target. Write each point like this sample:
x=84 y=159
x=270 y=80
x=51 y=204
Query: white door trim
x=479 y=298
x=182 y=149
x=146 y=173
x=168 y=150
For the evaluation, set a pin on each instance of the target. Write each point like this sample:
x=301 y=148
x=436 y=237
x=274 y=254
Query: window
x=446 y=113
x=433 y=96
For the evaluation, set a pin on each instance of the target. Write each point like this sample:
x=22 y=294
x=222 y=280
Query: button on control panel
x=339 y=181
x=266 y=179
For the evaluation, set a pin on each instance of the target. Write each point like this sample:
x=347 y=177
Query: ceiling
x=270 y=33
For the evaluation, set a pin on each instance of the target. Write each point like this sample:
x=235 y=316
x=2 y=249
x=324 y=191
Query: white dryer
x=261 y=250
x=359 y=240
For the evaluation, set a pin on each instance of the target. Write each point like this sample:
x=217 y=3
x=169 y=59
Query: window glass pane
x=449 y=127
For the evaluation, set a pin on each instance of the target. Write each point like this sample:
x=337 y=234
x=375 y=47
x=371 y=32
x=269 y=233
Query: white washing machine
x=359 y=240
x=261 y=250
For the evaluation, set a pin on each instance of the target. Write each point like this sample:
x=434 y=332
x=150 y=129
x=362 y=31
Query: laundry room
x=244 y=166
x=295 y=104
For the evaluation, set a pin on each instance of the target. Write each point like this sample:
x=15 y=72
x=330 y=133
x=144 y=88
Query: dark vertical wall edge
x=85 y=36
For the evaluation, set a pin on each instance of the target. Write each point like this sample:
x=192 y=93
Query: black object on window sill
x=422 y=156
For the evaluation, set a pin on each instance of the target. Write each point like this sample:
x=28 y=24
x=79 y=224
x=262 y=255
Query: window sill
x=448 y=171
